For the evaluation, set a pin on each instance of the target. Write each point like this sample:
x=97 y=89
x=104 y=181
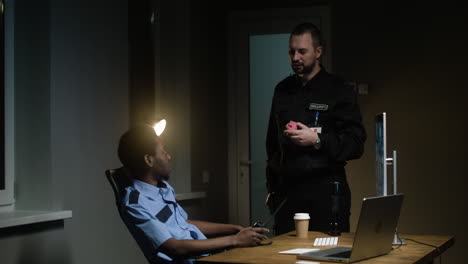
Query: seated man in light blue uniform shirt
x=156 y=220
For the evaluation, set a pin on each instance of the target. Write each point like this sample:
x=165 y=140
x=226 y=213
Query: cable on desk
x=436 y=247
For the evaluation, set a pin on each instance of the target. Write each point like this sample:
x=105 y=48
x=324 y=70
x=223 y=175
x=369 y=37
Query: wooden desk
x=406 y=254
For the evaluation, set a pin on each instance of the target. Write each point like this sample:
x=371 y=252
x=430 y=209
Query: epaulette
x=134 y=195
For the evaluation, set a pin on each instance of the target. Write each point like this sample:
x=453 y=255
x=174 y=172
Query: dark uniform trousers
x=312 y=194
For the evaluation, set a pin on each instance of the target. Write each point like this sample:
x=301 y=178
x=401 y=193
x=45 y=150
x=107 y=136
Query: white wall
x=89 y=112
x=72 y=85
x=71 y=108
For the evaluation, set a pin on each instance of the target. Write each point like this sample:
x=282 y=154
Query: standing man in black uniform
x=306 y=157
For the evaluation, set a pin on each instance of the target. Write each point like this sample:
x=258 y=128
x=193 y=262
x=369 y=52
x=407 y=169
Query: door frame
x=243 y=24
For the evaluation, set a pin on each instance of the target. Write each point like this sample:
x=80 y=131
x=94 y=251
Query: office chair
x=119 y=179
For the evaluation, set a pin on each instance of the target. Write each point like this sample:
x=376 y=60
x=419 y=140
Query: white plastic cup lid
x=301 y=216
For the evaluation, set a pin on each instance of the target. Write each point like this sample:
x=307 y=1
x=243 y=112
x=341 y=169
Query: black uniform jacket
x=343 y=134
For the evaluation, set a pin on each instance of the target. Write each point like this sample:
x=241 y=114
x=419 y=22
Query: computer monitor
x=381 y=154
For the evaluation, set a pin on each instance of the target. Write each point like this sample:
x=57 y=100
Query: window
x=7 y=104
x=2 y=103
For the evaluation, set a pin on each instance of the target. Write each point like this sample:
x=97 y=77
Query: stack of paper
x=298 y=251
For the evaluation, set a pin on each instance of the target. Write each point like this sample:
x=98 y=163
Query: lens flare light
x=159 y=127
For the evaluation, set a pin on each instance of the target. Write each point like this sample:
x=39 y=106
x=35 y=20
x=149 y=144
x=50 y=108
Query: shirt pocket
x=162 y=212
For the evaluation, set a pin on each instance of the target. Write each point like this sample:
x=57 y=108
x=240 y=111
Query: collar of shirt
x=314 y=79
x=167 y=193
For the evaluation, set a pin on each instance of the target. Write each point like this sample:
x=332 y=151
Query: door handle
x=245 y=162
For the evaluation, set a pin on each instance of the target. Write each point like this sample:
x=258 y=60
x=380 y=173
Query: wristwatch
x=317 y=142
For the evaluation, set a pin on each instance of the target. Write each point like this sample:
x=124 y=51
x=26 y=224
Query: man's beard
x=306 y=69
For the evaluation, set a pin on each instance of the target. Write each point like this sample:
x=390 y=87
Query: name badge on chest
x=318 y=107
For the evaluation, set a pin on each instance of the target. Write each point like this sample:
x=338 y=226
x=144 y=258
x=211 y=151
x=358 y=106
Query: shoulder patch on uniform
x=164 y=214
x=134 y=195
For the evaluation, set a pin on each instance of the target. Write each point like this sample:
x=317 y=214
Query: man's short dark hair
x=134 y=144
x=309 y=28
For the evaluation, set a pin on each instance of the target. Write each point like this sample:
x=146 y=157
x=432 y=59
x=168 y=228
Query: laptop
x=374 y=234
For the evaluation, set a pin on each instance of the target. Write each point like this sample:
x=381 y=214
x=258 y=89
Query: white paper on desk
x=307 y=262
x=298 y=251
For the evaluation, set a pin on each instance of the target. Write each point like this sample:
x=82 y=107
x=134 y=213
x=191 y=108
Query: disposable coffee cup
x=302 y=224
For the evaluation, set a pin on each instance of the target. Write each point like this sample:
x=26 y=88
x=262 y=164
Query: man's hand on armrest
x=248 y=237
x=215 y=229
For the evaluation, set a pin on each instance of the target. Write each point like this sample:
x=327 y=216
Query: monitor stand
x=393 y=161
x=398 y=241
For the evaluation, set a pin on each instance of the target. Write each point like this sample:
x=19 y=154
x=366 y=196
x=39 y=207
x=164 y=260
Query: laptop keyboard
x=345 y=254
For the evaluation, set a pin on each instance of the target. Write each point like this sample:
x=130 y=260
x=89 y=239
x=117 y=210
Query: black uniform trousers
x=313 y=194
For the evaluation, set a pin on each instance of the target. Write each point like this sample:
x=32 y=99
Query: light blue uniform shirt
x=154 y=216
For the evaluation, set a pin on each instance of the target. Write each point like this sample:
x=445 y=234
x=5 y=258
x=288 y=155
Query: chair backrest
x=119 y=179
